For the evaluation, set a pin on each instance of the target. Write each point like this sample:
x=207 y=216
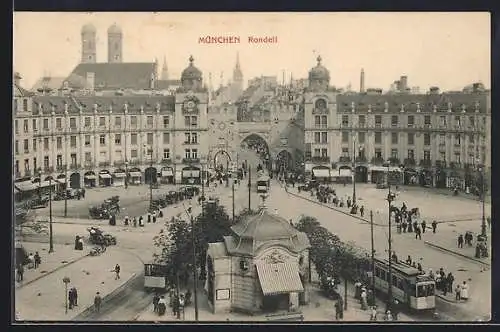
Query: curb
x=116 y=291
x=52 y=271
x=442 y=298
x=456 y=253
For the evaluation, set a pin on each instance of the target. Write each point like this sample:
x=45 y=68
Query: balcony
x=191 y=143
x=48 y=169
x=425 y=163
x=134 y=162
x=409 y=162
x=361 y=159
x=317 y=159
x=60 y=168
x=104 y=164
x=324 y=111
x=455 y=165
x=440 y=163
x=377 y=161
x=27 y=172
x=320 y=125
x=344 y=159
x=75 y=167
x=191 y=160
x=166 y=161
x=394 y=161
x=119 y=163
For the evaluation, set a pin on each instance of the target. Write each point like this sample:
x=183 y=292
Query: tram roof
x=400 y=267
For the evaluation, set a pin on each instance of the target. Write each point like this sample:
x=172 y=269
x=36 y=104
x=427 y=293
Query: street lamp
x=150 y=151
x=126 y=173
x=65 y=191
x=51 y=240
x=195 y=272
x=481 y=170
x=66 y=281
x=390 y=199
x=354 y=169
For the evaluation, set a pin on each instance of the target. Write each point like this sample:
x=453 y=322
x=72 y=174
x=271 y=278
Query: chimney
x=91 y=81
x=362 y=81
x=404 y=83
x=17 y=78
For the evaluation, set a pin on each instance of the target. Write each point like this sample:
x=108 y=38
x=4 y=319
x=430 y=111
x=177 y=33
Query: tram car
x=409 y=286
x=263 y=182
x=155 y=277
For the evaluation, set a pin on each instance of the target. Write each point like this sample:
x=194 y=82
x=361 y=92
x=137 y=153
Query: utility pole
x=249 y=188
x=483 y=198
x=202 y=186
x=195 y=274
x=233 y=199
x=51 y=240
x=354 y=171
x=373 y=252
x=66 y=192
x=150 y=181
x=389 y=201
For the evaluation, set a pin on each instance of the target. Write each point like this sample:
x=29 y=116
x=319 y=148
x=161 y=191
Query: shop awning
x=105 y=176
x=321 y=173
x=279 y=278
x=61 y=181
x=90 y=177
x=195 y=174
x=187 y=174
x=345 y=172
x=167 y=172
x=135 y=174
x=48 y=183
x=384 y=169
x=119 y=175
x=25 y=186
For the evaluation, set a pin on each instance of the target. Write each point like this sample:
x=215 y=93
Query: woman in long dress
x=464 y=291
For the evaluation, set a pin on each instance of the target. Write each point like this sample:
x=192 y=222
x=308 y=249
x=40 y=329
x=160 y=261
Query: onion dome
x=319 y=72
x=191 y=72
x=114 y=29
x=89 y=28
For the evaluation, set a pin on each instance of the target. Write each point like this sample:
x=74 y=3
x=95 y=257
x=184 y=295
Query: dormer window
x=243 y=265
x=65 y=84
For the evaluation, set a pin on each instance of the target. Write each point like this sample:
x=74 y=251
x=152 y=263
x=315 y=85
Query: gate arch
x=217 y=154
x=284 y=160
x=150 y=175
x=361 y=174
x=257 y=143
x=74 y=181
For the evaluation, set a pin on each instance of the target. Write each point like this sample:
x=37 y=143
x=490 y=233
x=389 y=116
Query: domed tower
x=88 y=43
x=237 y=86
x=115 y=42
x=319 y=77
x=191 y=78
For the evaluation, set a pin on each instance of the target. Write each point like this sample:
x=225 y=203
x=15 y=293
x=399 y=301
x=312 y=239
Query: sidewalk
x=44 y=299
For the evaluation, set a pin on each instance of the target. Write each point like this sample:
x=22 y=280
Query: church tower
x=237 y=84
x=164 y=71
x=88 y=44
x=115 y=44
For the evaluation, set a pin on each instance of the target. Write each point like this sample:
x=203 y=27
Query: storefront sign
x=222 y=294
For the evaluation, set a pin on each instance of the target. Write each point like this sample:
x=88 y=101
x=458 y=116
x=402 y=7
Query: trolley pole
x=195 y=274
x=354 y=171
x=151 y=181
x=389 y=201
x=66 y=192
x=373 y=252
x=249 y=188
x=51 y=240
x=233 y=198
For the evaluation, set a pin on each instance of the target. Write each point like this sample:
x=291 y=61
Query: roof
x=19 y=91
x=426 y=102
x=259 y=230
x=126 y=75
x=279 y=278
x=217 y=250
x=52 y=83
x=114 y=29
x=89 y=28
x=191 y=72
x=165 y=84
x=319 y=72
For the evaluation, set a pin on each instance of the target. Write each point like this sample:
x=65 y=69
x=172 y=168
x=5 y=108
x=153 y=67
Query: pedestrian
x=162 y=306
x=75 y=296
x=431 y=274
x=388 y=316
x=97 y=302
x=80 y=243
x=395 y=309
x=489 y=222
x=154 y=217
x=126 y=221
x=37 y=259
x=70 y=299
x=134 y=221
x=423 y=226
x=20 y=272
x=460 y=241
x=415 y=225
x=464 y=291
x=31 y=259
x=338 y=310
x=141 y=221
x=373 y=314
x=394 y=257
x=362 y=210
x=434 y=226
x=408 y=260
x=414 y=264
x=458 y=290
x=117 y=271
x=149 y=217
x=404 y=225
x=363 y=299
x=449 y=282
x=419 y=268
x=418 y=233
x=156 y=298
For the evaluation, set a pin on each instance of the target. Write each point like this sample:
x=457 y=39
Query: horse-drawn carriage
x=108 y=208
x=98 y=237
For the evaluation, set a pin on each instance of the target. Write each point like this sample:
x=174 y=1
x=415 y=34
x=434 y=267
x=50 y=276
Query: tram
x=263 y=183
x=155 y=276
x=409 y=286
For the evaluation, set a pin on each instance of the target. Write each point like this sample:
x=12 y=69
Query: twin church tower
x=89 y=41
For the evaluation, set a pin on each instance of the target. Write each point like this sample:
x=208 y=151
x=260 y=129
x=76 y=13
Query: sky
x=449 y=50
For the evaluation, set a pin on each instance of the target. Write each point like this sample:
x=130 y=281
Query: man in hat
x=97 y=302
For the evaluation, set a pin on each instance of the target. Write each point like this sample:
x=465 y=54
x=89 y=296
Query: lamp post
x=481 y=170
x=39 y=174
x=66 y=281
x=390 y=198
x=126 y=173
x=51 y=240
x=195 y=272
x=65 y=191
x=150 y=151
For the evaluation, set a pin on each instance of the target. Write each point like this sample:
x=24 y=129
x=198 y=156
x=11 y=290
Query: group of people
x=72 y=298
x=33 y=262
x=151 y=218
x=177 y=301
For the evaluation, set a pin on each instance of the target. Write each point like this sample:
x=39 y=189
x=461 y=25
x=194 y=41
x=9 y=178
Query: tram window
x=153 y=270
x=400 y=284
x=394 y=281
x=412 y=290
x=425 y=290
x=383 y=275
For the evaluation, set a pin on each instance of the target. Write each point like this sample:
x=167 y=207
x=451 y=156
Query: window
x=457 y=139
x=427 y=139
x=46 y=162
x=59 y=143
x=324 y=137
x=133 y=153
x=102 y=140
x=394 y=138
x=471 y=138
x=25 y=105
x=187 y=153
x=166 y=153
x=378 y=153
x=34 y=144
x=361 y=137
x=59 y=161
x=427 y=155
x=317 y=121
x=317 y=137
x=34 y=164
x=324 y=153
x=345 y=137
x=149 y=121
x=102 y=156
x=118 y=139
x=133 y=121
x=26 y=146
x=88 y=157
x=87 y=122
x=149 y=139
x=394 y=121
x=25 y=126
x=411 y=154
x=45 y=124
x=194 y=121
x=411 y=138
x=442 y=139
x=317 y=152
x=345 y=120
x=378 y=137
x=425 y=290
x=166 y=138
x=72 y=141
x=58 y=123
x=471 y=121
x=324 y=121
x=378 y=121
x=166 y=121
x=427 y=120
x=361 y=121
x=72 y=123
x=187 y=138
x=394 y=153
x=194 y=153
x=87 y=140
x=187 y=121
x=411 y=121
x=34 y=125
x=16 y=126
x=15 y=105
x=442 y=121
x=73 y=159
x=46 y=144
x=133 y=139
x=102 y=121
x=442 y=156
x=194 y=138
x=118 y=121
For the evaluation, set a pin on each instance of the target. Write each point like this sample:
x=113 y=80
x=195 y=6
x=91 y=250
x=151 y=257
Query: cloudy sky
x=449 y=50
